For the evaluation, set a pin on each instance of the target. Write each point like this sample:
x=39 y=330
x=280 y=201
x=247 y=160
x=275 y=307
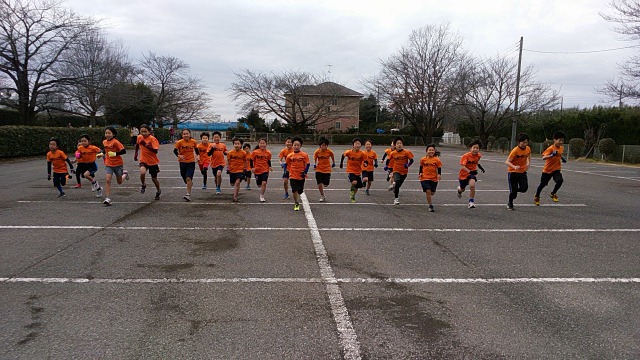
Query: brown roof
x=328 y=88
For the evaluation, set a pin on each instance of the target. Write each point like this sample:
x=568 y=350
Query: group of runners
x=241 y=163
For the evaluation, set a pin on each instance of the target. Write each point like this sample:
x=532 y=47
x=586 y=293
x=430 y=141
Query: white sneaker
x=321 y=199
x=472 y=205
x=459 y=193
x=99 y=192
x=125 y=175
x=262 y=198
x=396 y=201
x=95 y=186
x=391 y=186
x=187 y=197
x=107 y=201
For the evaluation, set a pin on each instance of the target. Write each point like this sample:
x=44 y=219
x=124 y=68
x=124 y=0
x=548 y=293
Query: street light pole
x=514 y=125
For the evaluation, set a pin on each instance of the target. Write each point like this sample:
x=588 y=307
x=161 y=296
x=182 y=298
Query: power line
x=580 y=52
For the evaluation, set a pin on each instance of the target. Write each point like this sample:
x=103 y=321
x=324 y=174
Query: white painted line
x=164 y=228
x=50 y=280
x=347 y=334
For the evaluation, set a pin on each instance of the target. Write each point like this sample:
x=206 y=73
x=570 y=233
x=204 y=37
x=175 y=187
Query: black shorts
x=260 y=178
x=215 y=170
x=465 y=182
x=357 y=179
x=247 y=174
x=233 y=177
x=323 y=178
x=297 y=186
x=285 y=175
x=367 y=174
x=84 y=167
x=545 y=177
x=153 y=170
x=429 y=185
x=187 y=170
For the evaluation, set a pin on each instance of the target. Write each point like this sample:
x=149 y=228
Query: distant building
x=340 y=106
x=210 y=126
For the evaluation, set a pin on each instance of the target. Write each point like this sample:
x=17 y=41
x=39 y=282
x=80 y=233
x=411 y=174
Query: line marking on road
x=165 y=228
x=68 y=280
x=347 y=334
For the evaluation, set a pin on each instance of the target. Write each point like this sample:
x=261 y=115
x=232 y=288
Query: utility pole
x=514 y=125
x=377 y=102
x=620 y=97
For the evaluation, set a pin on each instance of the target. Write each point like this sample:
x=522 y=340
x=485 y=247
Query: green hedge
x=16 y=141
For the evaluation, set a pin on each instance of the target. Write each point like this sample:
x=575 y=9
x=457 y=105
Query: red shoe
x=78 y=186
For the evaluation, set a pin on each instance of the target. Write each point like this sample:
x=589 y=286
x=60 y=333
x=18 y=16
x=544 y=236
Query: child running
x=217 y=152
x=430 y=173
x=297 y=164
x=147 y=147
x=389 y=164
x=113 y=162
x=59 y=160
x=401 y=159
x=247 y=170
x=356 y=159
x=469 y=163
x=185 y=149
x=236 y=164
x=288 y=149
x=323 y=161
x=260 y=162
x=204 y=159
x=552 y=166
x=518 y=163
x=86 y=156
x=372 y=163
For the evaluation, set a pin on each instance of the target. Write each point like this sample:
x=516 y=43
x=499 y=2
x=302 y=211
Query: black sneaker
x=158 y=195
x=62 y=194
x=509 y=206
x=431 y=208
x=143 y=188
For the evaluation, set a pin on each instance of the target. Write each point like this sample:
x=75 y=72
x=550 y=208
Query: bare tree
x=417 y=82
x=300 y=99
x=34 y=36
x=96 y=65
x=626 y=17
x=486 y=95
x=179 y=96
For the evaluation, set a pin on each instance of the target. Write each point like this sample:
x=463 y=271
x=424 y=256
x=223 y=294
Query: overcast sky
x=348 y=38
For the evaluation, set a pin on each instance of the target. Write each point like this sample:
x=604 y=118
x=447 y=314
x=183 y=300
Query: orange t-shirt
x=371 y=157
x=297 y=164
x=58 y=160
x=115 y=146
x=147 y=156
x=388 y=151
x=217 y=158
x=186 y=149
x=430 y=167
x=284 y=153
x=237 y=160
x=469 y=161
x=261 y=160
x=322 y=159
x=247 y=166
x=203 y=149
x=87 y=154
x=553 y=163
x=519 y=157
x=355 y=161
x=399 y=158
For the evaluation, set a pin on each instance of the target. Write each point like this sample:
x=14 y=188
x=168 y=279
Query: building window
x=338 y=124
x=304 y=102
x=334 y=101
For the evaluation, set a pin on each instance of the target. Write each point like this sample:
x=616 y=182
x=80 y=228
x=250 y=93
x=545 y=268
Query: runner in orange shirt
x=86 y=156
x=260 y=162
x=186 y=149
x=57 y=159
x=297 y=164
x=146 y=153
x=372 y=163
x=401 y=159
x=114 y=164
x=469 y=165
x=247 y=170
x=288 y=149
x=430 y=173
x=236 y=164
x=204 y=159
x=323 y=161
x=217 y=152
x=355 y=161
x=388 y=168
x=552 y=157
x=518 y=164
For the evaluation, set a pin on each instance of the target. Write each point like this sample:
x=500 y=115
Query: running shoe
x=125 y=174
x=158 y=195
x=248 y=187
x=396 y=201
x=391 y=186
x=62 y=194
x=204 y=187
x=296 y=207
x=554 y=197
x=218 y=192
x=431 y=208
x=286 y=196
x=187 y=197
x=262 y=198
x=99 y=192
x=95 y=186
x=472 y=205
x=536 y=200
x=143 y=188
x=78 y=186
x=321 y=199
x=459 y=193
x=235 y=199
x=510 y=207
x=107 y=201
x=367 y=192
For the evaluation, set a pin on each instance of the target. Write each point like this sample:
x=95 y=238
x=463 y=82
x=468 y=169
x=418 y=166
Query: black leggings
x=518 y=182
x=544 y=181
x=398 y=179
